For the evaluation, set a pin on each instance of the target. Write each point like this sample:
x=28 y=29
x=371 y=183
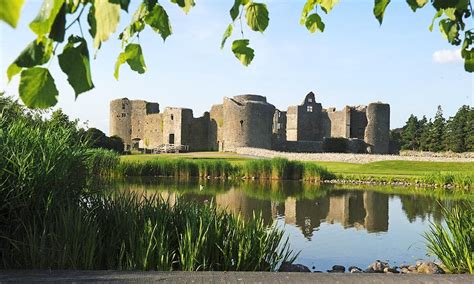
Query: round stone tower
x=377 y=132
x=120 y=121
x=248 y=122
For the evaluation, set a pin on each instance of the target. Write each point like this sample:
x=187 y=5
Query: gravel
x=355 y=158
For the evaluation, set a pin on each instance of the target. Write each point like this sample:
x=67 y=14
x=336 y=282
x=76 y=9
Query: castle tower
x=248 y=122
x=304 y=120
x=377 y=133
x=120 y=120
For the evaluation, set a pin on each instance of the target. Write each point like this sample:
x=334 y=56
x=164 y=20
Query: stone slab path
x=74 y=276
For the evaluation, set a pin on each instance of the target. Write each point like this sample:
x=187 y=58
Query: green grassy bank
x=457 y=174
x=277 y=168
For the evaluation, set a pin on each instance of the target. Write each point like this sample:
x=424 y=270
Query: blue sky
x=355 y=61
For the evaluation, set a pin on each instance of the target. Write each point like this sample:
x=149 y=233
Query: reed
x=130 y=231
x=276 y=169
x=453 y=243
x=101 y=162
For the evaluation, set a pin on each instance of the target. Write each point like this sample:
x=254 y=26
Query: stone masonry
x=250 y=121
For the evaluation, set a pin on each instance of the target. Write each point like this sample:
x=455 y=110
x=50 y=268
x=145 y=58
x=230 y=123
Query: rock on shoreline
x=421 y=267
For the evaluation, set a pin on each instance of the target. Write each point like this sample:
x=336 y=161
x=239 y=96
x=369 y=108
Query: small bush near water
x=453 y=243
x=276 y=168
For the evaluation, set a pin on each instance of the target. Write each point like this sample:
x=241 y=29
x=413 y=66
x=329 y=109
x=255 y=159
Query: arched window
x=241 y=123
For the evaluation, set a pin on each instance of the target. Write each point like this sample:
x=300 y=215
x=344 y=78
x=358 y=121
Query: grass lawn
x=402 y=169
x=398 y=168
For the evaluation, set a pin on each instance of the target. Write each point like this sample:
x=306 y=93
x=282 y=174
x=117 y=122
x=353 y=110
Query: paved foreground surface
x=74 y=276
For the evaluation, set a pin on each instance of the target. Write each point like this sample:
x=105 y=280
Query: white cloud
x=447 y=56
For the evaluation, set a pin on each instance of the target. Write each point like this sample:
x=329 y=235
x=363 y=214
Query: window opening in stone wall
x=124 y=114
x=123 y=106
x=309 y=109
x=171 y=139
x=172 y=117
x=241 y=123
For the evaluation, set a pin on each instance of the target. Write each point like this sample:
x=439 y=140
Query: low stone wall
x=344 y=157
x=304 y=146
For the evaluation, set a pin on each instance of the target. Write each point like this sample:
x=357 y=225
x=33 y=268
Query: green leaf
x=257 y=16
x=436 y=16
x=137 y=24
x=444 y=4
x=314 y=23
x=38 y=52
x=468 y=56
x=308 y=7
x=37 y=88
x=58 y=29
x=451 y=13
x=134 y=57
x=12 y=70
x=416 y=4
x=72 y=5
x=185 y=4
x=227 y=34
x=44 y=20
x=74 y=62
x=234 y=11
x=450 y=31
x=107 y=17
x=241 y=50
x=123 y=4
x=379 y=9
x=91 y=21
x=158 y=19
x=10 y=12
x=328 y=5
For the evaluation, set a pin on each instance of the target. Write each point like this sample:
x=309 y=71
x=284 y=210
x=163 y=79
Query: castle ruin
x=250 y=121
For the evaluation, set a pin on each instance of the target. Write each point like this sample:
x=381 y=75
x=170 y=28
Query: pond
x=328 y=224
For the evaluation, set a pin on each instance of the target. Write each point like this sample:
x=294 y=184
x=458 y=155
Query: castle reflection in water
x=303 y=205
x=359 y=209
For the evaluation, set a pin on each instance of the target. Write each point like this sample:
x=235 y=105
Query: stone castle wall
x=120 y=120
x=250 y=121
x=377 y=133
x=216 y=125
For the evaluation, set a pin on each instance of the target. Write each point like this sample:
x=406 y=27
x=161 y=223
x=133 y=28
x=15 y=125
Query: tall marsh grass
x=179 y=168
x=453 y=243
x=449 y=178
x=133 y=232
x=101 y=162
x=276 y=168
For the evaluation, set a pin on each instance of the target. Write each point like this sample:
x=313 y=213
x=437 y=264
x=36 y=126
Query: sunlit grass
x=453 y=243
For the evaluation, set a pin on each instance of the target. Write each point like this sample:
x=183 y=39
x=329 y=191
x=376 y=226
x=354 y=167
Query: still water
x=327 y=224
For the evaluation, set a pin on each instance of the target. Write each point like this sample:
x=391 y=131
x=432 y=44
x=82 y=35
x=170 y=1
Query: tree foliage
x=56 y=17
x=455 y=134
